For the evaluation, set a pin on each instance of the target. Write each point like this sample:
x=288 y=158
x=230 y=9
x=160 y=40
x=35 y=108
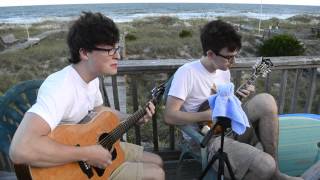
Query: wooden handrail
x=169 y=65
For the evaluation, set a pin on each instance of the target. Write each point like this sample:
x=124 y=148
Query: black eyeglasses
x=226 y=57
x=110 y=52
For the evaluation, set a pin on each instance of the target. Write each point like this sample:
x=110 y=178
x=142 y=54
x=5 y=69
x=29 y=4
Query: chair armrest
x=195 y=135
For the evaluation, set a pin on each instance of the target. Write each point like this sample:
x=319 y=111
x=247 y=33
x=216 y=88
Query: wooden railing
x=293 y=83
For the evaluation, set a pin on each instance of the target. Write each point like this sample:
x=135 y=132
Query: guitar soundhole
x=104 y=139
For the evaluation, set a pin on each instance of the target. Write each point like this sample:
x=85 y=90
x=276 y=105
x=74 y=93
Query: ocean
x=130 y=11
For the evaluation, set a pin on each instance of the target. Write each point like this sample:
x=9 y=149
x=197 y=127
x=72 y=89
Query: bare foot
x=282 y=176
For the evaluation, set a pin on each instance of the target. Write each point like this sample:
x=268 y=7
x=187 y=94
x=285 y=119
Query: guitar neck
x=249 y=81
x=126 y=125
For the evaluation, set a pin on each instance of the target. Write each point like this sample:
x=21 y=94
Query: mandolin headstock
x=262 y=67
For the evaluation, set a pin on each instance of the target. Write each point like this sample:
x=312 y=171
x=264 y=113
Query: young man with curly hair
x=68 y=95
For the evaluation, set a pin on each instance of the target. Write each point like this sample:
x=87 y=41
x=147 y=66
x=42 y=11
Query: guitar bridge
x=86 y=168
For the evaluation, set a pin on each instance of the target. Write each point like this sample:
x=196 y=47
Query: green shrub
x=130 y=37
x=281 y=45
x=185 y=33
x=166 y=20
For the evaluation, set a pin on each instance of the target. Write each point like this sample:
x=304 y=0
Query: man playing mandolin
x=192 y=85
x=68 y=95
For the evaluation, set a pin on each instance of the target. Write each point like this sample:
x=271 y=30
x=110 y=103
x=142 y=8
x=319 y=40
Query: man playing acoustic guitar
x=68 y=95
x=192 y=85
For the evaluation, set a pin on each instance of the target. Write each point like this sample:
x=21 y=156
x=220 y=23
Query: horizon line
x=28 y=5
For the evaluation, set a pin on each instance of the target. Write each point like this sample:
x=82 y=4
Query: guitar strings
x=109 y=140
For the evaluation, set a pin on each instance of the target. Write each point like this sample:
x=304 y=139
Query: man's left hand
x=245 y=92
x=150 y=110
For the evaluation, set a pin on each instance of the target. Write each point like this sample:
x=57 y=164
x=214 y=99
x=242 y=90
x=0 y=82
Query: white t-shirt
x=192 y=83
x=65 y=98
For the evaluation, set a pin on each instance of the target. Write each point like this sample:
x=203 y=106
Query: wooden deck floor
x=190 y=170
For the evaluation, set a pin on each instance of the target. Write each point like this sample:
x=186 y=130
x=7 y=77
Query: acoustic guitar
x=101 y=127
x=261 y=68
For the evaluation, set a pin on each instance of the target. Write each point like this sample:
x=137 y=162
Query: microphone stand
x=221 y=124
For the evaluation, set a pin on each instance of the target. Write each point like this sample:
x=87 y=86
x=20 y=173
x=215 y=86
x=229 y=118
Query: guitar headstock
x=157 y=93
x=262 y=67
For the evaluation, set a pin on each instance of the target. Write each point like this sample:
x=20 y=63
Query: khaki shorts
x=239 y=154
x=131 y=168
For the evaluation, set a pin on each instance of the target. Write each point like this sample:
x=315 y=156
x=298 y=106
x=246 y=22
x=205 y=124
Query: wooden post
x=135 y=104
x=123 y=52
x=295 y=91
x=312 y=89
x=115 y=93
x=282 y=94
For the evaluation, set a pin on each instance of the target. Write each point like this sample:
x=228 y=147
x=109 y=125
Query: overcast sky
x=45 y=2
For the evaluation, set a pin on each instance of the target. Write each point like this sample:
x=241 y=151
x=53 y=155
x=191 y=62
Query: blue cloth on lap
x=225 y=103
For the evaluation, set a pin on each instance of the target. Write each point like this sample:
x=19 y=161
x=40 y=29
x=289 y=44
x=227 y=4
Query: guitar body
x=82 y=135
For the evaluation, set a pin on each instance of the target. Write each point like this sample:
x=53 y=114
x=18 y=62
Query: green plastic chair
x=13 y=104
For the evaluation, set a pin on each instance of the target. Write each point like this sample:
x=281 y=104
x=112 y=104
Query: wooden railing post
x=312 y=89
x=282 y=94
x=267 y=83
x=115 y=93
x=135 y=104
x=295 y=91
x=155 y=130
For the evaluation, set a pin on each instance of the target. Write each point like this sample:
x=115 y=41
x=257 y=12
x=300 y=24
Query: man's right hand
x=98 y=156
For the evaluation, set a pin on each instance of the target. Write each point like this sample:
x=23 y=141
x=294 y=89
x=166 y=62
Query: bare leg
x=261 y=171
x=263 y=113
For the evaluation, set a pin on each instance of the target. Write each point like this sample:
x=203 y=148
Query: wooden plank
x=189 y=170
x=267 y=83
x=172 y=137
x=115 y=92
x=155 y=131
x=170 y=65
x=312 y=89
x=282 y=94
x=123 y=52
x=135 y=104
x=237 y=79
x=295 y=91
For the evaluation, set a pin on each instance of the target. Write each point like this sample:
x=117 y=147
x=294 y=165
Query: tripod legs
x=223 y=159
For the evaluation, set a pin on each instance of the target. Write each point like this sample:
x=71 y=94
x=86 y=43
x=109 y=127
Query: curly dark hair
x=89 y=30
x=217 y=35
